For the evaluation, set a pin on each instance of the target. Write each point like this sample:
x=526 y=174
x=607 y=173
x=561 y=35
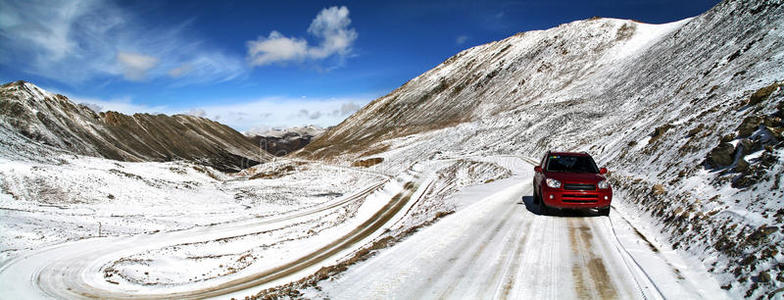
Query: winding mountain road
x=75 y=269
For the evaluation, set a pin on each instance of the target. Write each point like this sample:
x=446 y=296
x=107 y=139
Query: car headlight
x=603 y=184
x=553 y=183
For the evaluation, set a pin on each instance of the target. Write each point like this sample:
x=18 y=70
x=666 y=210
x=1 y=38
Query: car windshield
x=576 y=164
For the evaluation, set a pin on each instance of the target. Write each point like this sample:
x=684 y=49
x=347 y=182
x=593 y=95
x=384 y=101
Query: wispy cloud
x=135 y=66
x=461 y=39
x=181 y=70
x=76 y=41
x=331 y=27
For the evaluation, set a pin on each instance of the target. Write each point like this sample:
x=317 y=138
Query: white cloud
x=135 y=66
x=276 y=48
x=331 y=27
x=76 y=41
x=461 y=39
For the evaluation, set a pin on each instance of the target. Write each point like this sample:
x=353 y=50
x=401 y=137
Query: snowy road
x=499 y=247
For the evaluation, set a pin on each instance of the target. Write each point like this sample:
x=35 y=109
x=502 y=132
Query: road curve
x=63 y=271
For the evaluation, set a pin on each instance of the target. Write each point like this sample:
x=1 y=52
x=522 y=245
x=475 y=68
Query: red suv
x=571 y=180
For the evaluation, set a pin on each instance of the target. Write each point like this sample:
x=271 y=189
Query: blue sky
x=260 y=64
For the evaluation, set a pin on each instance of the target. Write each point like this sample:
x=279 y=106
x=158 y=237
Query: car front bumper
x=560 y=198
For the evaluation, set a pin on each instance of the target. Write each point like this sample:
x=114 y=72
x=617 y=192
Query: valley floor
x=494 y=245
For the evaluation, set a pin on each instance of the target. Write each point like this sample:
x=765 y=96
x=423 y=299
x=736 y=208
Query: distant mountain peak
x=281 y=142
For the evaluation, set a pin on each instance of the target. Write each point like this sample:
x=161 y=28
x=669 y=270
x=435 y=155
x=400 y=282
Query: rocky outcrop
x=281 y=142
x=53 y=121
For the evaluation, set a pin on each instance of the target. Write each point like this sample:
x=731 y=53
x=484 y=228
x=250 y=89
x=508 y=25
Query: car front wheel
x=543 y=209
x=537 y=199
x=604 y=211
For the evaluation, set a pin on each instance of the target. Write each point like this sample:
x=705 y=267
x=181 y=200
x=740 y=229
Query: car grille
x=580 y=196
x=579 y=187
x=581 y=201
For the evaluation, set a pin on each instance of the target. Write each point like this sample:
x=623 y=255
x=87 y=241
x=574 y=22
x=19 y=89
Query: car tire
x=536 y=195
x=536 y=198
x=604 y=211
x=543 y=208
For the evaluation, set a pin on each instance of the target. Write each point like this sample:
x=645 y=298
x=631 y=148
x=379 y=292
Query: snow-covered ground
x=47 y=204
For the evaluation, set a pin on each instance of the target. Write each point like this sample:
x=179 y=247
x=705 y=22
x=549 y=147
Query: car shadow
x=530 y=205
x=528 y=201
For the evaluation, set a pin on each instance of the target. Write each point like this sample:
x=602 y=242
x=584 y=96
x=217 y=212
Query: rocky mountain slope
x=281 y=142
x=35 y=124
x=687 y=116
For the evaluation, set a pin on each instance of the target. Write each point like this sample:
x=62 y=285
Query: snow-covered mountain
x=686 y=115
x=35 y=123
x=282 y=141
x=311 y=130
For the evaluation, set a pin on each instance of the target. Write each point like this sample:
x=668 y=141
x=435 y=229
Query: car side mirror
x=603 y=171
x=538 y=169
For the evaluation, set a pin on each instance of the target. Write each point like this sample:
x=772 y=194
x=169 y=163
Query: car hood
x=590 y=178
